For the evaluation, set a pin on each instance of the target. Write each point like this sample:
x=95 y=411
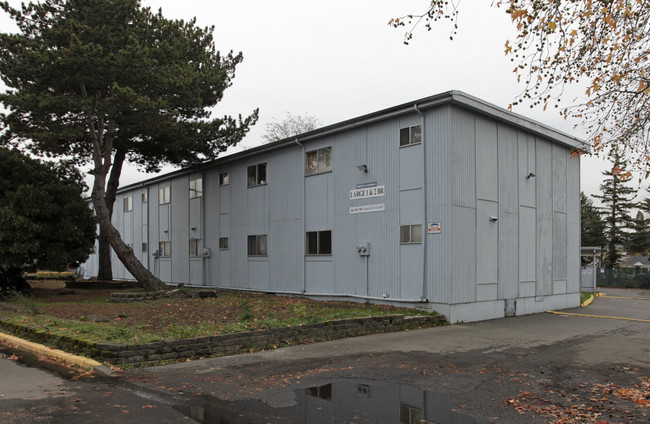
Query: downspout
x=423 y=297
x=205 y=263
x=148 y=252
x=302 y=179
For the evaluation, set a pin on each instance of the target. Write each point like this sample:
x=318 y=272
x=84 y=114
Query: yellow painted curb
x=68 y=358
x=597 y=316
x=623 y=297
x=588 y=301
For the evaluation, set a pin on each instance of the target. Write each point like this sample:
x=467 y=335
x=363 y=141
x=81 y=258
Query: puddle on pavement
x=338 y=402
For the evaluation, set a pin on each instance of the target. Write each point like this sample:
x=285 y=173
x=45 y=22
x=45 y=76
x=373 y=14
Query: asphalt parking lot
x=581 y=365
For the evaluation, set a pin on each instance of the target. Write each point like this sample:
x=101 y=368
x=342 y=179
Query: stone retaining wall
x=223 y=344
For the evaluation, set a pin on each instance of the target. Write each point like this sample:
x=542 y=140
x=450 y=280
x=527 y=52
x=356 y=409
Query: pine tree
x=618 y=200
x=592 y=224
x=107 y=82
x=639 y=240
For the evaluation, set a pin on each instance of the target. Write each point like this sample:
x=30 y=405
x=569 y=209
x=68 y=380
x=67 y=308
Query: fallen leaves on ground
x=570 y=409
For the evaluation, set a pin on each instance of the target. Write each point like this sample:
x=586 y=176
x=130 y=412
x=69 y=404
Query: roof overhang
x=453 y=97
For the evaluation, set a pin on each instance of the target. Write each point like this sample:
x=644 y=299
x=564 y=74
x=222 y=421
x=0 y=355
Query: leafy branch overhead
x=604 y=46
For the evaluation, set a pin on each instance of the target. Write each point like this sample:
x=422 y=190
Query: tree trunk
x=105 y=271
x=144 y=277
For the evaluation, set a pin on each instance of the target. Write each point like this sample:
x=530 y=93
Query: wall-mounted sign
x=434 y=228
x=368 y=192
x=367 y=208
x=366 y=185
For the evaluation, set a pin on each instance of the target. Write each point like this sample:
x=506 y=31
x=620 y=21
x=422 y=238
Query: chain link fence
x=623 y=278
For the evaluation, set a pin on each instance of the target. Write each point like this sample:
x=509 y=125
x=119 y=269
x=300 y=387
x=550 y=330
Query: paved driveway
x=583 y=365
x=545 y=366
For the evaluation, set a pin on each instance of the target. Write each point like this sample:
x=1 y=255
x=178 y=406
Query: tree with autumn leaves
x=602 y=45
x=107 y=82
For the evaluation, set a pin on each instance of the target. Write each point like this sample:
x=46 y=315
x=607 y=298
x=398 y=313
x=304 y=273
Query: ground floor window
x=257 y=245
x=196 y=247
x=409 y=414
x=165 y=249
x=410 y=234
x=223 y=243
x=319 y=242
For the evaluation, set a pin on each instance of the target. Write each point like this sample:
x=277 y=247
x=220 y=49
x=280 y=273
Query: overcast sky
x=339 y=59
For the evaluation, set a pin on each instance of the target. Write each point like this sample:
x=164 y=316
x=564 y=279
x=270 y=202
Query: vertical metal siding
x=560 y=156
x=526 y=146
x=180 y=229
x=463 y=158
x=544 y=238
x=527 y=245
x=286 y=259
x=382 y=229
x=370 y=275
x=225 y=255
x=573 y=225
x=463 y=201
x=118 y=222
x=508 y=213
x=463 y=255
x=153 y=228
x=487 y=183
x=487 y=242
x=559 y=246
x=475 y=169
x=437 y=135
x=211 y=227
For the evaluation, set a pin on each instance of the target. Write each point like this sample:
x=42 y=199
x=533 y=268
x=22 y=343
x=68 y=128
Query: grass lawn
x=584 y=296
x=88 y=314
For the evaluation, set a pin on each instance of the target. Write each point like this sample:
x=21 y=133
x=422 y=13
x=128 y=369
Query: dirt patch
x=173 y=318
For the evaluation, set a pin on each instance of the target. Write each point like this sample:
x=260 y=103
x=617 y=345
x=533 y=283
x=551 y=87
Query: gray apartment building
x=447 y=203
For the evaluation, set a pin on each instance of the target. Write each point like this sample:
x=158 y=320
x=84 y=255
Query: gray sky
x=339 y=59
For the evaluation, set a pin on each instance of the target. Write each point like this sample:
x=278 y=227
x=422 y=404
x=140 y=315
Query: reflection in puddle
x=340 y=402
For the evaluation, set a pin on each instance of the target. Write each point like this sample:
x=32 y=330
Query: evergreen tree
x=618 y=200
x=108 y=81
x=639 y=239
x=592 y=224
x=44 y=220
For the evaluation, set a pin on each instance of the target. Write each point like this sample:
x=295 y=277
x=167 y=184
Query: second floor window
x=196 y=187
x=257 y=174
x=318 y=161
x=410 y=135
x=224 y=179
x=164 y=195
x=128 y=203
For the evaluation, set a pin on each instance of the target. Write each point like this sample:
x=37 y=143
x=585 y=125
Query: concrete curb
x=80 y=361
x=588 y=301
